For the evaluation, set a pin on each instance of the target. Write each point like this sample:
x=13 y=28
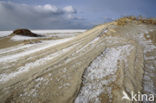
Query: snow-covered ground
x=46 y=32
x=5 y=33
x=102 y=66
x=56 y=31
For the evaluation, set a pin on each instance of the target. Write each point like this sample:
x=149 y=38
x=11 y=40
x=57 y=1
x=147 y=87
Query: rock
x=25 y=32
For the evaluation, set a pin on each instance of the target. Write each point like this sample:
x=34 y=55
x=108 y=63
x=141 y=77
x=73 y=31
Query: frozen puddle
x=94 y=82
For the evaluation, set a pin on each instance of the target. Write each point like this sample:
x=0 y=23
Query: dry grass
x=125 y=20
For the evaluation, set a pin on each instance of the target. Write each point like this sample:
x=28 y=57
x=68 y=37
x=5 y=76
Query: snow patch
x=148 y=46
x=5 y=33
x=102 y=66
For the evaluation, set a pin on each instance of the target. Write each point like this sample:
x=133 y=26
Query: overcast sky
x=69 y=14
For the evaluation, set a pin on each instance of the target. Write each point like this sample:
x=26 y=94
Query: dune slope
x=96 y=66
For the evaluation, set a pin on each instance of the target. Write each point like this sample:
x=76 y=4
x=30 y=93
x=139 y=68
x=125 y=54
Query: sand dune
x=94 y=66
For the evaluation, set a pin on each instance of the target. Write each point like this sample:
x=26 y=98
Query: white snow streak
x=6 y=77
x=15 y=48
x=21 y=38
x=51 y=43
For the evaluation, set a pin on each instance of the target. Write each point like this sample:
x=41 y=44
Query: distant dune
x=100 y=65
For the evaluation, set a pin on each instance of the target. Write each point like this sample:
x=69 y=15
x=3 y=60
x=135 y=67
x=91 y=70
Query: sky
x=69 y=14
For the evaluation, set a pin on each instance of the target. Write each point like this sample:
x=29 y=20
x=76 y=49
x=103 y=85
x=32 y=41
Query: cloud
x=14 y=15
x=47 y=7
x=69 y=9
